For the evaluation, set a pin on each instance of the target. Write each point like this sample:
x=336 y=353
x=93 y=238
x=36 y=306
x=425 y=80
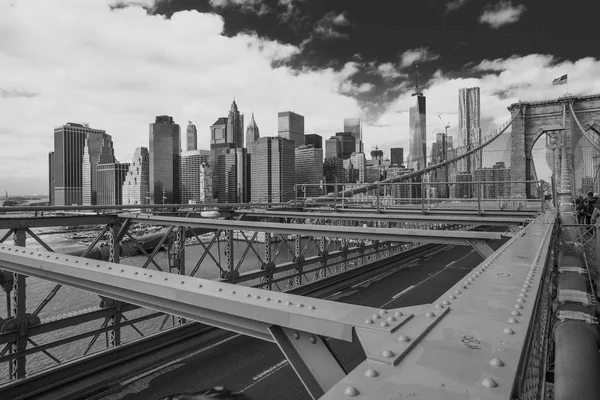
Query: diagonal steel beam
x=481 y=247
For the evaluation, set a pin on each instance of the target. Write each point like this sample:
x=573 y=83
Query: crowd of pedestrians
x=587 y=208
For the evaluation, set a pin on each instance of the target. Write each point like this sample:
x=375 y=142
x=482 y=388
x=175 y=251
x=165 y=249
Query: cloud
x=148 y=5
x=17 y=93
x=327 y=26
x=389 y=71
x=421 y=54
x=252 y=6
x=290 y=9
x=501 y=14
x=455 y=5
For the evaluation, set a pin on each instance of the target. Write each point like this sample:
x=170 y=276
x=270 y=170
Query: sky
x=117 y=64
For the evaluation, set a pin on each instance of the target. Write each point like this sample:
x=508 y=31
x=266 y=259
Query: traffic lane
x=244 y=363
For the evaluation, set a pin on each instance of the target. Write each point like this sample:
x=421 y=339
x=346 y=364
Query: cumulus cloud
x=501 y=14
x=455 y=5
x=421 y=54
x=328 y=25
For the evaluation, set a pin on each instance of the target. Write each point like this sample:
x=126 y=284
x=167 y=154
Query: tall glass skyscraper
x=273 y=170
x=418 y=133
x=354 y=126
x=136 y=189
x=469 y=131
x=165 y=151
x=291 y=126
x=191 y=137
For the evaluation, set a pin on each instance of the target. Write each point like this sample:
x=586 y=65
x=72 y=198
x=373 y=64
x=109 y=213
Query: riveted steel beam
x=8 y=222
x=481 y=247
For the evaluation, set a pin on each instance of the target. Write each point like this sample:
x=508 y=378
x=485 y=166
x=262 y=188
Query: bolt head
x=403 y=338
x=398 y=314
x=515 y=313
x=508 y=331
x=439 y=305
x=368 y=321
x=446 y=302
x=452 y=296
x=387 y=353
x=489 y=382
x=384 y=324
x=383 y=312
x=351 y=391
x=391 y=319
x=513 y=321
x=371 y=373
x=496 y=362
x=429 y=314
x=518 y=306
x=296 y=335
x=313 y=339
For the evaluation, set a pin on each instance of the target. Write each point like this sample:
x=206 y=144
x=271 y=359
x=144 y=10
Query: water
x=69 y=299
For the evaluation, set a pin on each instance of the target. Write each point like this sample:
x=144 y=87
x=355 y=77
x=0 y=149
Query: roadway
x=259 y=369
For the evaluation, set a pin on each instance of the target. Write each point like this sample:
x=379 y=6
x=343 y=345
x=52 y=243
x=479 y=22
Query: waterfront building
x=67 y=162
x=291 y=126
x=136 y=189
x=309 y=170
x=273 y=170
x=165 y=152
x=191 y=137
x=195 y=174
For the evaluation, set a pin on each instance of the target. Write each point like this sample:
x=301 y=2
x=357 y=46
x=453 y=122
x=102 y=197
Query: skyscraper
x=309 y=170
x=252 y=133
x=195 y=184
x=235 y=126
x=347 y=144
x=191 y=137
x=233 y=168
x=354 y=126
x=136 y=189
x=273 y=170
x=165 y=151
x=418 y=132
x=333 y=148
x=313 y=139
x=218 y=132
x=51 y=178
x=110 y=178
x=291 y=126
x=469 y=131
x=68 y=159
x=397 y=156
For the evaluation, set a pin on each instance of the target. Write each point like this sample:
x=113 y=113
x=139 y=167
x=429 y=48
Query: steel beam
x=392 y=235
x=8 y=222
x=481 y=247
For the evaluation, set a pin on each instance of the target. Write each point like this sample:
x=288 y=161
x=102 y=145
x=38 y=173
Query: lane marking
x=453 y=262
x=403 y=292
x=265 y=374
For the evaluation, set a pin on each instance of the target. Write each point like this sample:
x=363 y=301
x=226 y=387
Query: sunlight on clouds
x=501 y=14
x=422 y=54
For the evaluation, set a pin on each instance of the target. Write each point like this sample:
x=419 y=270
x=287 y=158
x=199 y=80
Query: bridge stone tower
x=549 y=117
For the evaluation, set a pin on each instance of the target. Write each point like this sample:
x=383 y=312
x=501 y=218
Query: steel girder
x=8 y=222
x=382 y=234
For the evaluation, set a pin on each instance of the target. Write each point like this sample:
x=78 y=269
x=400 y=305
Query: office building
x=252 y=133
x=291 y=126
x=68 y=159
x=347 y=144
x=309 y=170
x=136 y=189
x=354 y=126
x=218 y=132
x=218 y=171
x=273 y=170
x=312 y=139
x=195 y=177
x=233 y=168
x=418 y=132
x=235 y=126
x=333 y=172
x=469 y=131
x=490 y=181
x=165 y=152
x=333 y=148
x=359 y=165
x=110 y=178
x=464 y=186
x=51 y=178
x=397 y=156
x=97 y=149
x=191 y=137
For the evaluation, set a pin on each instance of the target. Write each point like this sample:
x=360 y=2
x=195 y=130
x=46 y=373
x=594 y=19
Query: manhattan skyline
x=192 y=63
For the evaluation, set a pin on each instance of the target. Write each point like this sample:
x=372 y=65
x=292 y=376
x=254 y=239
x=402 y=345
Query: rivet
x=429 y=314
x=489 y=382
x=398 y=314
x=18 y=250
x=465 y=287
x=313 y=339
x=403 y=338
x=368 y=321
x=452 y=296
x=387 y=353
x=149 y=276
x=371 y=373
x=391 y=319
x=470 y=280
x=76 y=261
x=513 y=321
x=257 y=297
x=382 y=312
x=267 y=299
x=278 y=300
x=232 y=292
x=518 y=306
x=351 y=391
x=457 y=292
x=515 y=312
x=439 y=305
x=122 y=270
x=384 y=324
x=521 y=300
x=376 y=316
x=166 y=279
x=288 y=303
x=87 y=263
x=508 y=331
x=48 y=256
x=248 y=295
x=300 y=305
x=296 y=335
x=526 y=286
x=522 y=294
x=311 y=307
x=474 y=276
x=97 y=265
x=496 y=362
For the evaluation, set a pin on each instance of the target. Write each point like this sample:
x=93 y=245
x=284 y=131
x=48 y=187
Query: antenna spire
x=417 y=81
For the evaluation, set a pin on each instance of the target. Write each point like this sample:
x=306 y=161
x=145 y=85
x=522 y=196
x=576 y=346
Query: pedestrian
x=579 y=210
x=589 y=204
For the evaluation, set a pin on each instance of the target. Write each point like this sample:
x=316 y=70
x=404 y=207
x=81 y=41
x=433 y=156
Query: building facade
x=397 y=156
x=110 y=178
x=333 y=148
x=136 y=188
x=347 y=144
x=51 y=178
x=354 y=126
x=312 y=139
x=469 y=131
x=195 y=177
x=359 y=165
x=165 y=152
x=252 y=133
x=273 y=170
x=291 y=126
x=418 y=132
x=309 y=170
x=69 y=144
x=235 y=126
x=234 y=182
x=191 y=137
x=333 y=172
x=98 y=150
x=218 y=132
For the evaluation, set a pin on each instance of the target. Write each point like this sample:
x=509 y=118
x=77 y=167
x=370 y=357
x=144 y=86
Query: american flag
x=560 y=81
